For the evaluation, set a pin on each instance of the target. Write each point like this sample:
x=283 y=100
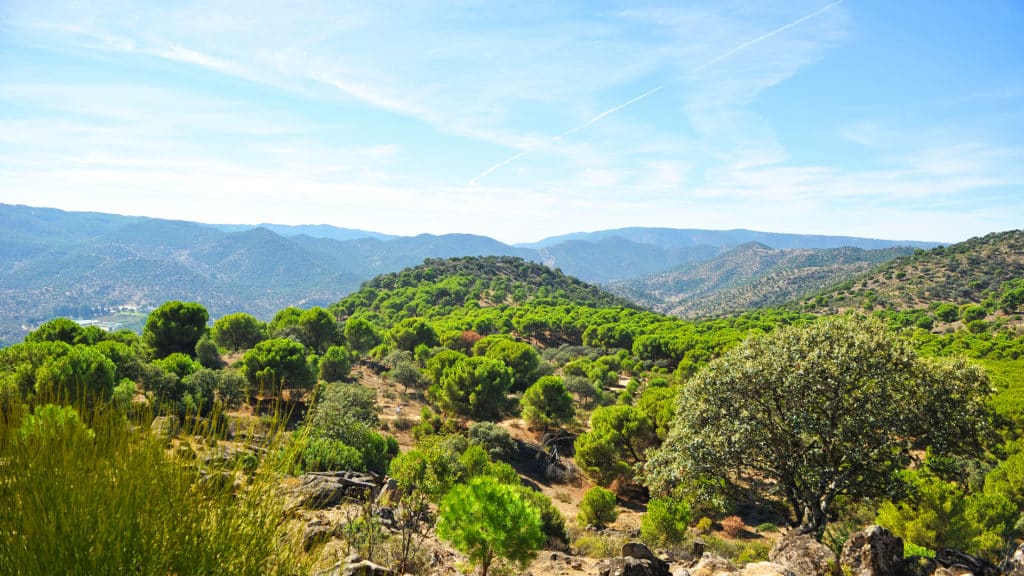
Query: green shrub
x=494 y=438
x=665 y=521
x=598 y=545
x=597 y=508
x=324 y=454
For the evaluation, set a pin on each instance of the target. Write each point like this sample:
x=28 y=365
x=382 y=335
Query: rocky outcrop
x=873 y=551
x=803 y=555
x=356 y=566
x=318 y=490
x=957 y=563
x=636 y=560
x=712 y=565
x=1015 y=565
x=765 y=569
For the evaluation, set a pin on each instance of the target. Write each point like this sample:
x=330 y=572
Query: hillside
x=981 y=279
x=748 y=277
x=89 y=265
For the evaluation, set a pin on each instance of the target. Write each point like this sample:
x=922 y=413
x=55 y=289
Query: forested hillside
x=91 y=266
x=499 y=393
x=748 y=277
x=978 y=284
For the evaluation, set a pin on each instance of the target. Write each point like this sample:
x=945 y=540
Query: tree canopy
x=827 y=409
x=175 y=327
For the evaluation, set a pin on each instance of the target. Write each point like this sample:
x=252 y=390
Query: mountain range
x=84 y=264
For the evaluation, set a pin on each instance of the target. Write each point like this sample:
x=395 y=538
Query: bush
x=335 y=364
x=324 y=455
x=665 y=521
x=733 y=526
x=495 y=439
x=597 y=508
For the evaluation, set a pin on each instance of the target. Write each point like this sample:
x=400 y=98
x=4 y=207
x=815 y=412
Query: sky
x=521 y=120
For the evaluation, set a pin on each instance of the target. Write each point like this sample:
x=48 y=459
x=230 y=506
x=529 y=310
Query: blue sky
x=900 y=120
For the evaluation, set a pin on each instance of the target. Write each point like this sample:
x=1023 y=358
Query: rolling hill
x=981 y=279
x=85 y=264
x=750 y=276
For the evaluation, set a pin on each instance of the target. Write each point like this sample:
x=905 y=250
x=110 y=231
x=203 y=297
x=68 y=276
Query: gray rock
x=712 y=565
x=316 y=533
x=627 y=566
x=165 y=427
x=640 y=551
x=962 y=563
x=318 y=490
x=765 y=569
x=1015 y=565
x=805 y=556
x=873 y=551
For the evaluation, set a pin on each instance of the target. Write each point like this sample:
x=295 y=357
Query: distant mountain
x=311 y=230
x=677 y=238
x=987 y=272
x=80 y=264
x=750 y=276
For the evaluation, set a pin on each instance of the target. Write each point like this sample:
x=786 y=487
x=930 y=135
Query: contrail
x=636 y=99
x=762 y=37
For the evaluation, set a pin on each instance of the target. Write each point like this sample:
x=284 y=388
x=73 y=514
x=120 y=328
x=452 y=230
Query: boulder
x=640 y=551
x=316 y=533
x=354 y=565
x=712 y=565
x=1015 y=565
x=318 y=490
x=873 y=551
x=627 y=566
x=765 y=569
x=962 y=563
x=803 y=555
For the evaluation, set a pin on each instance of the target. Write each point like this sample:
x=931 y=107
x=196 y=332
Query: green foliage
x=850 y=395
x=522 y=358
x=82 y=373
x=276 y=364
x=412 y=332
x=474 y=387
x=335 y=364
x=109 y=500
x=340 y=403
x=238 y=331
x=485 y=520
x=547 y=403
x=597 y=508
x=552 y=523
x=493 y=438
x=325 y=454
x=58 y=330
x=179 y=364
x=665 y=521
x=175 y=327
x=939 y=515
x=361 y=335
x=619 y=437
x=318 y=330
x=207 y=353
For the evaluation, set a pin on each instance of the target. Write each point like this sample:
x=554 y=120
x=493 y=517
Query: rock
x=1015 y=565
x=918 y=566
x=316 y=533
x=366 y=568
x=165 y=427
x=805 y=556
x=873 y=551
x=712 y=565
x=640 y=551
x=318 y=490
x=962 y=563
x=388 y=494
x=628 y=566
x=356 y=566
x=765 y=569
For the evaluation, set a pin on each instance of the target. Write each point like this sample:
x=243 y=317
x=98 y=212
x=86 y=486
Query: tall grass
x=108 y=499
